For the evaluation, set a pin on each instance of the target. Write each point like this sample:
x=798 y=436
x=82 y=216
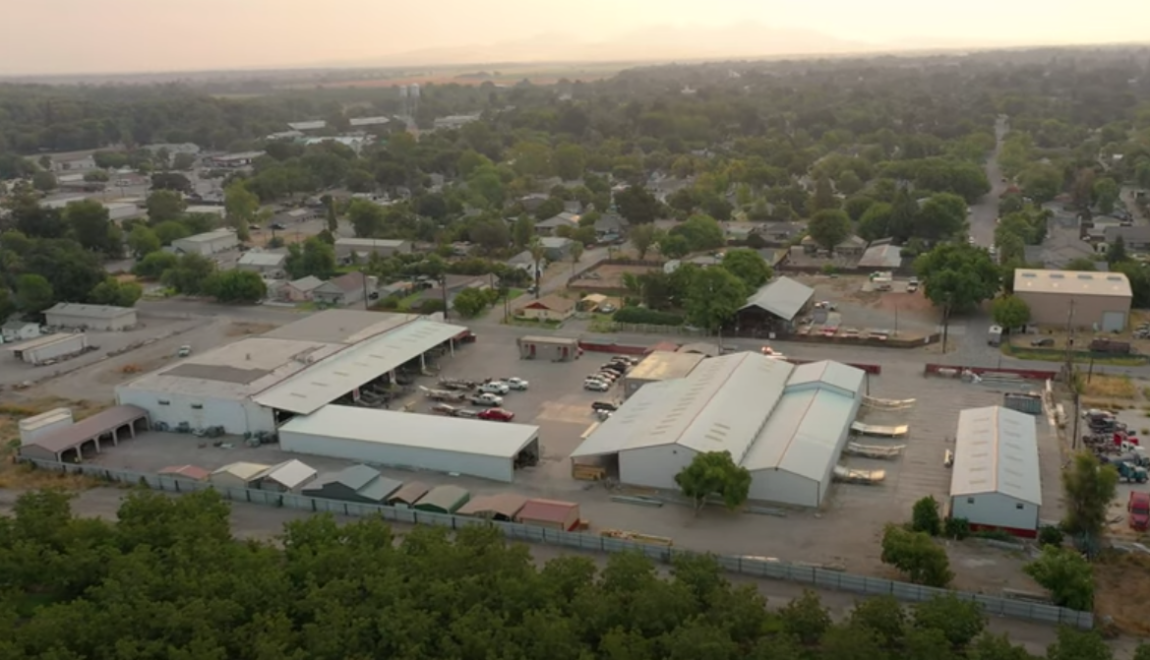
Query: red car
x=496 y=415
x=1139 y=509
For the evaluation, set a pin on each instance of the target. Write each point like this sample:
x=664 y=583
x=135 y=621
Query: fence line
x=743 y=565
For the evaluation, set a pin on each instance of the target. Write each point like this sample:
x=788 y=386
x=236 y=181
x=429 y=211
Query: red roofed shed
x=549 y=513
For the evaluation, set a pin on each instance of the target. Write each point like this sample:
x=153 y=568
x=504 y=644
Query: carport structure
x=88 y=436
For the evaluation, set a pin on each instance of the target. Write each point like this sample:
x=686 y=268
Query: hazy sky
x=72 y=36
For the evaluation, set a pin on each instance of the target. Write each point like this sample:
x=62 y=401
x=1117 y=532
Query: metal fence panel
x=776 y=569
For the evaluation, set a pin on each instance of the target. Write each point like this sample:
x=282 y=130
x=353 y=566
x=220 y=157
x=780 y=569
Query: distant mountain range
x=744 y=40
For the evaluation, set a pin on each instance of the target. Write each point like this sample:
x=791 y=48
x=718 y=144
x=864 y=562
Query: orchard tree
x=829 y=228
x=714 y=473
x=1010 y=312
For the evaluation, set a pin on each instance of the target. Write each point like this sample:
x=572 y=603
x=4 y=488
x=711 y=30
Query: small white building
x=267 y=264
x=14 y=331
x=41 y=425
x=995 y=481
x=207 y=244
x=237 y=475
x=50 y=348
x=389 y=437
x=103 y=318
x=363 y=248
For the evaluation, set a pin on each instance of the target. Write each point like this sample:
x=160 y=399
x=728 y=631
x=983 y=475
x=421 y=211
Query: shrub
x=916 y=555
x=957 y=528
x=644 y=316
x=1068 y=576
x=1050 y=535
x=925 y=517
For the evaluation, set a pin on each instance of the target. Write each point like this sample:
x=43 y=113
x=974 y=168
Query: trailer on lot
x=51 y=348
x=556 y=349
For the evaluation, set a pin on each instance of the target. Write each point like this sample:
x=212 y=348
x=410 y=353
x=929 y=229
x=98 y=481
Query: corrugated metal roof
x=102 y=422
x=289 y=474
x=444 y=497
x=262 y=259
x=410 y=492
x=502 y=504
x=208 y=237
x=802 y=436
x=322 y=383
x=393 y=427
x=189 y=471
x=547 y=510
x=845 y=377
x=665 y=365
x=241 y=470
x=1071 y=282
x=378 y=489
x=353 y=478
x=784 y=297
x=996 y=451
x=89 y=311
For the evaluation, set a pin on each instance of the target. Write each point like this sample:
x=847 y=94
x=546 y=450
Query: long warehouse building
x=405 y=440
x=256 y=384
x=786 y=424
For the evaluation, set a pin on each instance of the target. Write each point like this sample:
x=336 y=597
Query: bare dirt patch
x=1121 y=588
x=609 y=276
x=1110 y=387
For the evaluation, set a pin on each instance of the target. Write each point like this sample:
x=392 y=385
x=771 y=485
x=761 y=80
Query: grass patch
x=1041 y=355
x=1110 y=387
x=602 y=323
x=405 y=304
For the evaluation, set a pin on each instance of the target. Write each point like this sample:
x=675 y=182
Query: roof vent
x=1029 y=275
x=1113 y=278
x=1056 y=276
x=1085 y=277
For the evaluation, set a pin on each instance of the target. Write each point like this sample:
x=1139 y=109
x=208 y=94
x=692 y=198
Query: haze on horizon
x=128 y=36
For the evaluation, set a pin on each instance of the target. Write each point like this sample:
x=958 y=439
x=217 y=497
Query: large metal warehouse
x=786 y=424
x=256 y=384
x=391 y=438
x=660 y=366
x=90 y=317
x=995 y=481
x=1101 y=300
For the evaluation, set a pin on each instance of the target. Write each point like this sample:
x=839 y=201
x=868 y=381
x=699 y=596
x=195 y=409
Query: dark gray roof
x=784 y=298
x=379 y=489
x=221 y=373
x=354 y=477
x=89 y=311
x=1139 y=234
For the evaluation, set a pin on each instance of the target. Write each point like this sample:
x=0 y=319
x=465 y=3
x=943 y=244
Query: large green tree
x=829 y=228
x=713 y=298
x=714 y=474
x=958 y=276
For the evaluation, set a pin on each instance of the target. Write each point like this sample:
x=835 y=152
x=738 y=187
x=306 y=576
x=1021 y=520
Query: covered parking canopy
x=70 y=442
x=356 y=366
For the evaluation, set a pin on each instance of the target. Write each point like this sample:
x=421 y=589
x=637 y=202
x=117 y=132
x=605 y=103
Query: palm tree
x=537 y=253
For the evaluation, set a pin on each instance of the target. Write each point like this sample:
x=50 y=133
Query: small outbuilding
x=553 y=514
x=185 y=473
x=237 y=475
x=995 y=481
x=503 y=507
x=358 y=483
x=285 y=477
x=408 y=494
x=208 y=243
x=774 y=307
x=50 y=348
x=105 y=318
x=14 y=331
x=443 y=499
x=40 y=425
x=552 y=308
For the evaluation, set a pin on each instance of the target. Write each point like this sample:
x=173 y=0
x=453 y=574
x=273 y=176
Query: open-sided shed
x=502 y=506
x=443 y=499
x=555 y=514
x=88 y=436
x=408 y=494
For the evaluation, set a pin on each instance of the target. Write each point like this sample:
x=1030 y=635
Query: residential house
x=610 y=226
x=14 y=331
x=556 y=248
x=550 y=226
x=1136 y=239
x=300 y=290
x=533 y=201
x=241 y=159
x=207 y=244
x=267 y=264
x=738 y=232
x=344 y=290
x=296 y=216
x=73 y=163
x=549 y=308
x=852 y=246
x=363 y=248
x=456 y=284
x=523 y=261
x=779 y=234
x=881 y=255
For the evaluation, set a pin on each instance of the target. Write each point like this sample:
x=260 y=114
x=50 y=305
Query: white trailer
x=49 y=349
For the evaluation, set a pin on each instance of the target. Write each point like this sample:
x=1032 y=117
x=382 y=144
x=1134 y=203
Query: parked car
x=595 y=385
x=444 y=409
x=912 y=286
x=606 y=308
x=604 y=405
x=467 y=413
x=279 y=226
x=496 y=415
x=1138 y=510
x=487 y=400
x=517 y=384
x=494 y=387
x=617 y=367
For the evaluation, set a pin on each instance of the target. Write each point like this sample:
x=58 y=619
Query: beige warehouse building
x=1100 y=300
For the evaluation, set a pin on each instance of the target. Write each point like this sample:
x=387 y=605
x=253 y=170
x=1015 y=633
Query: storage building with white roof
x=995 y=481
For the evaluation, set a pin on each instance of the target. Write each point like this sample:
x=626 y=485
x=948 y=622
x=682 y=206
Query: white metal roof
x=208 y=237
x=393 y=427
x=241 y=470
x=1071 y=282
x=89 y=311
x=996 y=451
x=289 y=474
x=315 y=387
x=312 y=125
x=369 y=242
x=803 y=433
x=368 y=121
x=784 y=297
x=665 y=365
x=843 y=376
x=262 y=259
x=720 y=406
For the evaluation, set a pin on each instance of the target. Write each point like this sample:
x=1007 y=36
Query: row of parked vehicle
x=613 y=370
x=487 y=394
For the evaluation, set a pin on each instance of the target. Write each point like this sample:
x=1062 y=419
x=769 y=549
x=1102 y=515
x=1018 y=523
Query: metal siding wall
x=232 y=415
x=1054 y=308
x=378 y=453
x=74 y=344
x=782 y=487
x=654 y=467
x=995 y=509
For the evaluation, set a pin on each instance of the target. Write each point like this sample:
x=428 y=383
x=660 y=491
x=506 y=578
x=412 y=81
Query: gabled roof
x=188 y=471
x=268 y=259
x=306 y=284
x=352 y=478
x=784 y=298
x=553 y=302
x=353 y=281
x=565 y=218
x=996 y=451
x=289 y=474
x=241 y=470
x=555 y=242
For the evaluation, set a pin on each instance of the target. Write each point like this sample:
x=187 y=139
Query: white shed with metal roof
x=995 y=481
x=399 y=439
x=787 y=425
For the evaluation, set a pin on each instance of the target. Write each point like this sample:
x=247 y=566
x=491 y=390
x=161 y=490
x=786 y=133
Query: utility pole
x=1071 y=381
